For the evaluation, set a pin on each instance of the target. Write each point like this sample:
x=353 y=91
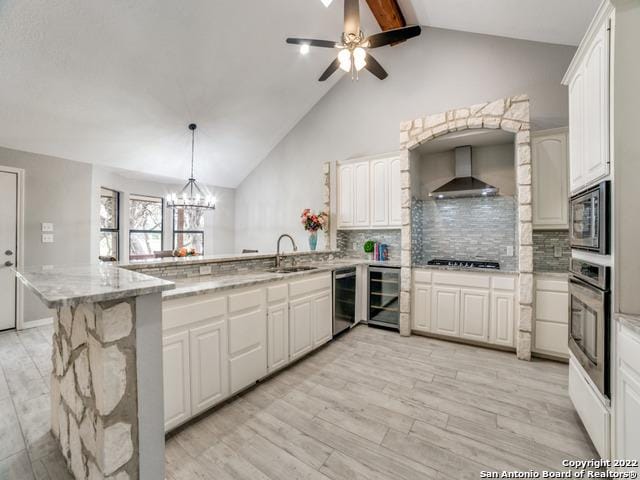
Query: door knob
x=8 y=252
x=8 y=264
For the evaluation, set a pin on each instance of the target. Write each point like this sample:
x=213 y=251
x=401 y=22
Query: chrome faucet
x=278 y=255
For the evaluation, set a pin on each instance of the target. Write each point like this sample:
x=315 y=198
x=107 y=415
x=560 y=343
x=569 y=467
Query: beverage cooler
x=384 y=297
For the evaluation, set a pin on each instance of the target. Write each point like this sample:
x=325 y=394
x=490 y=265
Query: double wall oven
x=589 y=320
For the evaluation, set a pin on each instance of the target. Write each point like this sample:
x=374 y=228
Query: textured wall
x=347 y=238
x=465 y=229
x=544 y=243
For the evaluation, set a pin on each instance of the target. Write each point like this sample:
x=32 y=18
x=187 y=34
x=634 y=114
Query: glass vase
x=313 y=240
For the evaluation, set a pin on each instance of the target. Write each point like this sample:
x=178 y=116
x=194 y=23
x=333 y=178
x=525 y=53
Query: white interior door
x=8 y=247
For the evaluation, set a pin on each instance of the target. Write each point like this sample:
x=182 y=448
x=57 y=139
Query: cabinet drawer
x=310 y=285
x=503 y=283
x=422 y=276
x=245 y=300
x=462 y=279
x=629 y=348
x=184 y=311
x=277 y=293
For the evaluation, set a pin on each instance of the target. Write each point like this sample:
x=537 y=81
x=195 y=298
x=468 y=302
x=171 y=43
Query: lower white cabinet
x=216 y=345
x=551 y=312
x=474 y=306
x=627 y=395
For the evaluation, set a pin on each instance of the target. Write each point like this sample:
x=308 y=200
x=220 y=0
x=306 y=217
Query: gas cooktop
x=465 y=263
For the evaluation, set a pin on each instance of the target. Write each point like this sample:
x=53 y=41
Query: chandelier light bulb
x=345 y=59
x=326 y=3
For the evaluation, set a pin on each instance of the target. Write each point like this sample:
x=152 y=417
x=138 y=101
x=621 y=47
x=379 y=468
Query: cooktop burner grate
x=465 y=263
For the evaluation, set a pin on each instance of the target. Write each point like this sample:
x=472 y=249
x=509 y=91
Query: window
x=109 y=224
x=188 y=229
x=145 y=226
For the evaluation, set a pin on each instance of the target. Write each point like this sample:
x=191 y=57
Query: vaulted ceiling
x=116 y=82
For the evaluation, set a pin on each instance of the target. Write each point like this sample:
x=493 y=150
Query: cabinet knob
x=8 y=252
x=8 y=264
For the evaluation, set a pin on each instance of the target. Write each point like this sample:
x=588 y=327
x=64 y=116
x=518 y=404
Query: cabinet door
x=277 y=336
x=300 y=327
x=379 y=193
x=474 y=315
x=395 y=193
x=346 y=186
x=445 y=311
x=627 y=395
x=596 y=108
x=550 y=195
x=361 y=194
x=177 y=390
x=209 y=365
x=502 y=326
x=322 y=318
x=421 y=307
x=576 y=132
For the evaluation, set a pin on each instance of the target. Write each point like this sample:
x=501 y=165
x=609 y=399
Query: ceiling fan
x=353 y=55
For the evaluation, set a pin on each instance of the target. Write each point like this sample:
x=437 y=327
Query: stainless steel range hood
x=464 y=185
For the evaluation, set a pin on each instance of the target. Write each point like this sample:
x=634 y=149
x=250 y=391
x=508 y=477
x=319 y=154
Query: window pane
x=189 y=241
x=109 y=244
x=142 y=245
x=145 y=213
x=108 y=209
x=189 y=218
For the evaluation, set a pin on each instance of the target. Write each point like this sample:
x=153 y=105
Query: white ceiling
x=116 y=82
x=550 y=21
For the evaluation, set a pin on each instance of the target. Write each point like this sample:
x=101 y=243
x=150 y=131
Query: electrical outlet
x=205 y=270
x=509 y=251
x=47 y=238
x=557 y=251
x=47 y=227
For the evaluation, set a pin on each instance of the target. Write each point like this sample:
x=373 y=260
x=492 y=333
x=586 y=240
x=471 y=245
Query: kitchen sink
x=301 y=268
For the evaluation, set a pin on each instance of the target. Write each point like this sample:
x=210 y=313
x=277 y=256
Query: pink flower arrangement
x=313 y=222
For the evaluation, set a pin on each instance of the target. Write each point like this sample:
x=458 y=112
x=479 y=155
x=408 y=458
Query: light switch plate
x=47 y=227
x=557 y=251
x=47 y=238
x=509 y=251
x=205 y=270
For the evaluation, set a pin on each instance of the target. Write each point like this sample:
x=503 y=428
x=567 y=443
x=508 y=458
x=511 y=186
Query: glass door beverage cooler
x=384 y=297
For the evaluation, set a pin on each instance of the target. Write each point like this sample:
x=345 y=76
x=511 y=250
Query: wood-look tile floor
x=371 y=405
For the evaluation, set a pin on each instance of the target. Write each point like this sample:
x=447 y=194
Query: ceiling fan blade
x=330 y=70
x=393 y=36
x=374 y=67
x=311 y=42
x=352 y=16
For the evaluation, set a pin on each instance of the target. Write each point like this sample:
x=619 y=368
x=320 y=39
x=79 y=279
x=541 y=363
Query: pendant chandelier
x=192 y=195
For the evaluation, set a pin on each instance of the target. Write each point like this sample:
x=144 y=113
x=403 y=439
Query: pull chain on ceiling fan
x=353 y=55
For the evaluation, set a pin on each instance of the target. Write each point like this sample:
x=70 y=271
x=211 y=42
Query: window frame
x=115 y=230
x=134 y=196
x=177 y=232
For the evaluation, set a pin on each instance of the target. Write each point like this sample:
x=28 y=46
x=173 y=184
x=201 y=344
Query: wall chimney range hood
x=463 y=185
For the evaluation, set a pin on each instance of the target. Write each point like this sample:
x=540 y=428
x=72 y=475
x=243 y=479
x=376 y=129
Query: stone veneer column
x=94 y=389
x=509 y=114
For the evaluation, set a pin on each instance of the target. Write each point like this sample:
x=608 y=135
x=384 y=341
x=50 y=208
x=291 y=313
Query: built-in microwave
x=589 y=219
x=590 y=320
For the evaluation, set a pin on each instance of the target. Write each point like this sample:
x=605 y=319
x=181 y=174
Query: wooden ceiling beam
x=387 y=13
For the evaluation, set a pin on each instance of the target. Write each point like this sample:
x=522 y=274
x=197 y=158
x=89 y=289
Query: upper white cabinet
x=550 y=185
x=473 y=306
x=369 y=194
x=589 y=94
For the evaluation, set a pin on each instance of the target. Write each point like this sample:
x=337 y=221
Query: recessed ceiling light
x=326 y=3
x=304 y=48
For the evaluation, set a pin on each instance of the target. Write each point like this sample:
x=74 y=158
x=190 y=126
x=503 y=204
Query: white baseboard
x=36 y=323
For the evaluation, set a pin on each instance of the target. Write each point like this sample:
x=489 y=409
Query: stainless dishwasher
x=384 y=297
x=344 y=299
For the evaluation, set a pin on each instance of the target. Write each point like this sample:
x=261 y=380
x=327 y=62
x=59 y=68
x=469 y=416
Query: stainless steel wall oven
x=590 y=319
x=590 y=223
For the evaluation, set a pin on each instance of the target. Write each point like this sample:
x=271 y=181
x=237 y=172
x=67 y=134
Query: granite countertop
x=203 y=259
x=467 y=269
x=59 y=286
x=629 y=321
x=186 y=287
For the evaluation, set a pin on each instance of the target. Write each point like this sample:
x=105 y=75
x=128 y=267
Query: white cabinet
x=208 y=364
x=474 y=314
x=472 y=306
x=551 y=312
x=502 y=323
x=550 y=186
x=322 y=318
x=300 y=327
x=369 y=193
x=361 y=189
x=177 y=385
x=627 y=395
x=589 y=95
x=278 y=335
x=446 y=311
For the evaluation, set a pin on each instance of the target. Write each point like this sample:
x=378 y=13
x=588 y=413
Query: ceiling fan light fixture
x=345 y=59
x=326 y=3
x=359 y=58
x=304 y=48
